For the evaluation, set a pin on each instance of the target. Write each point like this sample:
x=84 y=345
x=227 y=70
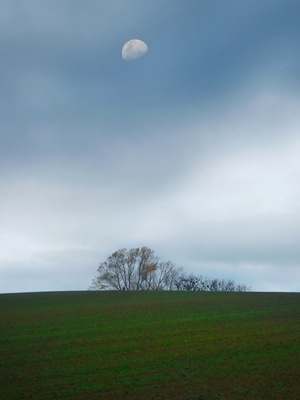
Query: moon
x=134 y=49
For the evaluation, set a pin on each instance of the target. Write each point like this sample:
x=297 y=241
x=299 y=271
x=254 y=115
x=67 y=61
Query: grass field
x=150 y=345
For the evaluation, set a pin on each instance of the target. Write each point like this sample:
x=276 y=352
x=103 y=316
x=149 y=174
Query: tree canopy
x=135 y=269
x=140 y=269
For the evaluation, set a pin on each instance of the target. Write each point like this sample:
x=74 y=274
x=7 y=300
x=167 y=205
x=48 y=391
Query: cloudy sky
x=192 y=150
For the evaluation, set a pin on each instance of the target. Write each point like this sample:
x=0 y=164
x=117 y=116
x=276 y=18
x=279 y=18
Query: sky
x=192 y=150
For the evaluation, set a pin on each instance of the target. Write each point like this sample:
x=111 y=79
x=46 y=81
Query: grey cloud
x=193 y=150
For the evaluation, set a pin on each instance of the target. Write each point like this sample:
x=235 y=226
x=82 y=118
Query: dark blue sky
x=191 y=150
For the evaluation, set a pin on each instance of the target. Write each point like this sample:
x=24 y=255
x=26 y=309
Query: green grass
x=150 y=345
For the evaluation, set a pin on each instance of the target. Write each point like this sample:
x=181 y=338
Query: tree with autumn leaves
x=140 y=269
x=135 y=269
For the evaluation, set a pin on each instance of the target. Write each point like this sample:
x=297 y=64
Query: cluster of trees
x=193 y=282
x=140 y=269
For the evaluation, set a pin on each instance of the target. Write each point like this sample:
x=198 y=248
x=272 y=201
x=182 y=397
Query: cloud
x=237 y=202
x=228 y=201
x=193 y=151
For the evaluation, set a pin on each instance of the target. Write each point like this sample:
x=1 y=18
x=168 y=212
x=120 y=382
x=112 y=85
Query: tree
x=140 y=269
x=194 y=282
x=135 y=269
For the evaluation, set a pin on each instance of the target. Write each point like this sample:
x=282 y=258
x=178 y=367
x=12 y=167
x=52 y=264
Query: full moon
x=134 y=49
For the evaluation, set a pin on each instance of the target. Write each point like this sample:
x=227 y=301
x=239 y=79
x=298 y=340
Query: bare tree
x=140 y=269
x=192 y=282
x=135 y=269
x=163 y=277
x=188 y=282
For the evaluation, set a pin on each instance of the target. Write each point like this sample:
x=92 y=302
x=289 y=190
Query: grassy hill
x=150 y=345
